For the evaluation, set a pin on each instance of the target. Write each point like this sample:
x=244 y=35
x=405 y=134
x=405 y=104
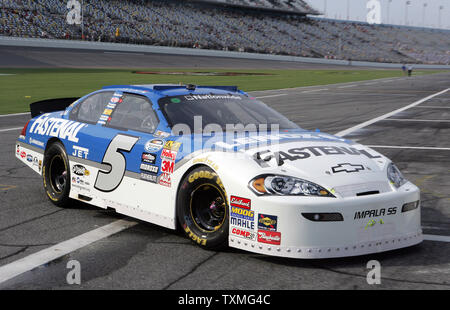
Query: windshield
x=222 y=110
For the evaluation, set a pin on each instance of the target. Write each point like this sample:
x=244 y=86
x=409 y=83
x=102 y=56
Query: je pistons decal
x=347 y=168
x=267 y=222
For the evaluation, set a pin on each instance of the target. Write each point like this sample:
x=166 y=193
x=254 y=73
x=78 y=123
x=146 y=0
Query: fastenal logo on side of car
x=56 y=127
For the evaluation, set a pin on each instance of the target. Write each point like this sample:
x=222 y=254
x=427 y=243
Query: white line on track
x=431 y=107
x=37 y=259
x=384 y=116
x=436 y=238
x=417 y=120
x=14 y=114
x=410 y=147
x=10 y=129
x=269 y=96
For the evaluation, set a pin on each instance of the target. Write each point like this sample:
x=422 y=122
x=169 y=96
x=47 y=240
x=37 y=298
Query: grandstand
x=275 y=27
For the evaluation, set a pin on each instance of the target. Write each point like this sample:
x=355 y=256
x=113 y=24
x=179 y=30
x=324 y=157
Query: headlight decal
x=395 y=176
x=282 y=185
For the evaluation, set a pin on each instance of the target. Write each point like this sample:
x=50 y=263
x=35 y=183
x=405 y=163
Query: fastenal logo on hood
x=56 y=127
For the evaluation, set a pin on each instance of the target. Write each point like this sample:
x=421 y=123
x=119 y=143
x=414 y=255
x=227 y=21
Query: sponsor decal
x=23 y=154
x=149 y=177
x=22 y=137
x=80 y=152
x=104 y=118
x=80 y=170
x=375 y=213
x=270 y=237
x=57 y=127
x=262 y=157
x=36 y=142
x=168 y=154
x=29 y=158
x=240 y=202
x=207 y=161
x=172 y=145
x=149 y=168
x=107 y=112
x=165 y=179
x=115 y=99
x=40 y=165
x=149 y=158
x=267 y=222
x=18 y=149
x=243 y=213
x=347 y=168
x=235 y=221
x=211 y=97
x=243 y=233
x=167 y=166
x=161 y=134
x=154 y=145
x=35 y=161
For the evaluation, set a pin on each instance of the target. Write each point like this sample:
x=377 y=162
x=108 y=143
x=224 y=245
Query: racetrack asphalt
x=146 y=256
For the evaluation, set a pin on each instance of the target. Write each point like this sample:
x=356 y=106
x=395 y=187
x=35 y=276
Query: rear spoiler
x=50 y=105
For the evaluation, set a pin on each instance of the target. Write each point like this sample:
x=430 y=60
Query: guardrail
x=121 y=47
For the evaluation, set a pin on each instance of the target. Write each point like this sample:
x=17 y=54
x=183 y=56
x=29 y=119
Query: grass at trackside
x=25 y=86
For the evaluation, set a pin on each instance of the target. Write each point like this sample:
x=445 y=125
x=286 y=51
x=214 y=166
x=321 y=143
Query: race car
x=222 y=166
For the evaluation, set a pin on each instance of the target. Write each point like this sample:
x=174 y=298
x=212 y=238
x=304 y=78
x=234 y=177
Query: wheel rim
x=58 y=174
x=208 y=207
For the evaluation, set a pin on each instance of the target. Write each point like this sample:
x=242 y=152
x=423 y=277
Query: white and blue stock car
x=222 y=166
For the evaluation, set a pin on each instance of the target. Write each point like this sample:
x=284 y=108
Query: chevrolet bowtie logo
x=347 y=168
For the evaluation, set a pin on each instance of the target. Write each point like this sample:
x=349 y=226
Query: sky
x=392 y=11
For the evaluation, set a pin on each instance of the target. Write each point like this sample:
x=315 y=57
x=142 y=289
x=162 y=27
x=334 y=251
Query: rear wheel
x=202 y=208
x=56 y=174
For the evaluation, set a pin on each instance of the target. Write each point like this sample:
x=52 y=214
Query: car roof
x=176 y=89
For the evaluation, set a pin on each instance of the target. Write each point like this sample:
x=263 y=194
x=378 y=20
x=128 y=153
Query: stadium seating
x=211 y=26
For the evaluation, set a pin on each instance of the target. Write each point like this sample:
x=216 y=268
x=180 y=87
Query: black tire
x=56 y=175
x=202 y=209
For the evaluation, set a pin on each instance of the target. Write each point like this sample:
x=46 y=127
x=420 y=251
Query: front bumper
x=298 y=237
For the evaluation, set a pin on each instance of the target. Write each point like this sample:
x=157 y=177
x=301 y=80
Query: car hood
x=348 y=168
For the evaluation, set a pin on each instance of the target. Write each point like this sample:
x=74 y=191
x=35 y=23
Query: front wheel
x=56 y=174
x=202 y=208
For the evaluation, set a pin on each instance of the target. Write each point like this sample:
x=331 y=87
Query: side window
x=134 y=113
x=91 y=108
